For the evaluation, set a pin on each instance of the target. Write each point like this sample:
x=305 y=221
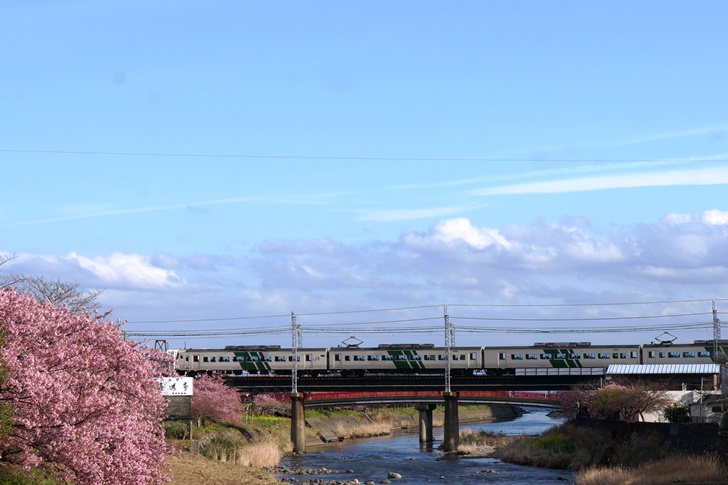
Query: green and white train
x=540 y=358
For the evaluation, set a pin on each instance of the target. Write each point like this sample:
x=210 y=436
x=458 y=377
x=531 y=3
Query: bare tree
x=56 y=291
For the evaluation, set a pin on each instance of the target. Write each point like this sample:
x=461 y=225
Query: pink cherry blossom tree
x=85 y=403
x=212 y=399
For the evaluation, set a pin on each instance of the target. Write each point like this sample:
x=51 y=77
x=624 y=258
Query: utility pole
x=717 y=349
x=449 y=343
x=296 y=343
x=298 y=417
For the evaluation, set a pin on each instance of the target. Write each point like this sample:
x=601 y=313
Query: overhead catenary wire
x=269 y=156
x=407 y=325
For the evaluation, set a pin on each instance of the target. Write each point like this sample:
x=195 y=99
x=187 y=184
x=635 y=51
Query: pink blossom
x=86 y=404
x=213 y=399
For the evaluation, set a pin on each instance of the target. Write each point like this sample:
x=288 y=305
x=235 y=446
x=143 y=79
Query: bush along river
x=400 y=459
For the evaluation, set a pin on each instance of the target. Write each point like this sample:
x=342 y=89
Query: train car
x=699 y=352
x=557 y=355
x=403 y=359
x=242 y=359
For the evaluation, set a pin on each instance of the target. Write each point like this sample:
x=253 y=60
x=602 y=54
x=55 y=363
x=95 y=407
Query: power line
x=582 y=319
x=461 y=305
x=325 y=157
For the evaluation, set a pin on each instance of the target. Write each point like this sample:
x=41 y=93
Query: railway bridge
x=424 y=392
x=427 y=391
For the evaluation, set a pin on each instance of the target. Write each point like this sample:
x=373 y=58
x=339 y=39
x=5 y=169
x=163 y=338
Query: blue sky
x=214 y=167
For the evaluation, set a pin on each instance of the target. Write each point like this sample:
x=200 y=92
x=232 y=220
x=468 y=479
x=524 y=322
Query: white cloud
x=717 y=175
x=126 y=269
x=715 y=217
x=460 y=229
x=409 y=214
x=594 y=251
x=677 y=219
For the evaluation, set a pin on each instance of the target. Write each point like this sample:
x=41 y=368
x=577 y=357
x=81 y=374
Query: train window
x=225 y=359
x=560 y=356
x=531 y=356
x=187 y=358
x=347 y=358
x=373 y=357
x=473 y=356
x=545 y=357
x=651 y=354
x=689 y=354
x=589 y=356
x=633 y=354
x=213 y=359
x=575 y=356
x=415 y=357
x=502 y=356
x=359 y=358
x=517 y=356
x=662 y=355
x=703 y=354
x=337 y=357
x=623 y=355
x=205 y=359
x=280 y=358
x=195 y=358
x=401 y=357
x=615 y=355
x=309 y=357
x=430 y=357
x=443 y=357
x=673 y=355
x=237 y=358
x=266 y=358
x=603 y=355
x=252 y=358
x=290 y=358
x=387 y=357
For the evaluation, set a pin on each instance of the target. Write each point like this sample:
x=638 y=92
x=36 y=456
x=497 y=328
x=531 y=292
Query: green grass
x=13 y=475
x=554 y=442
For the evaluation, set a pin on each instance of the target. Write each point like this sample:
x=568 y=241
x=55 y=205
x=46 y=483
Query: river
x=372 y=459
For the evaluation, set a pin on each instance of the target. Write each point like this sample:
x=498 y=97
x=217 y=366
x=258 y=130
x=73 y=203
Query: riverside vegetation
x=643 y=462
x=249 y=452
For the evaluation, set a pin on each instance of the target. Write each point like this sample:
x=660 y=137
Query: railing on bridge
x=501 y=395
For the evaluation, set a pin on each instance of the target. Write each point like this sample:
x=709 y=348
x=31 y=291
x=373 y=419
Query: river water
x=372 y=459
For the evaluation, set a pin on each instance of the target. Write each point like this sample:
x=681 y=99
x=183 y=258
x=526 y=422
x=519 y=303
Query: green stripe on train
x=252 y=361
x=400 y=364
x=560 y=362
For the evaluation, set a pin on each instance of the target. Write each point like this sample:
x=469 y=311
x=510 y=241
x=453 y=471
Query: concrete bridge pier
x=298 y=423
x=451 y=438
x=425 y=421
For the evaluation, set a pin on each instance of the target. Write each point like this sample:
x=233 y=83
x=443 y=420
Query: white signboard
x=176 y=386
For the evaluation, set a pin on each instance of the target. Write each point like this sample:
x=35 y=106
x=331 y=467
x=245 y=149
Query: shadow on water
x=371 y=460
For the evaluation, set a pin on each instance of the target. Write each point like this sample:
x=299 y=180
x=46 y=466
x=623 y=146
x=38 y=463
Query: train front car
x=403 y=359
x=251 y=360
x=555 y=358
x=699 y=352
x=205 y=361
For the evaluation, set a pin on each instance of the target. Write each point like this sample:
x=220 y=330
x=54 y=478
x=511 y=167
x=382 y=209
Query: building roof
x=664 y=369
